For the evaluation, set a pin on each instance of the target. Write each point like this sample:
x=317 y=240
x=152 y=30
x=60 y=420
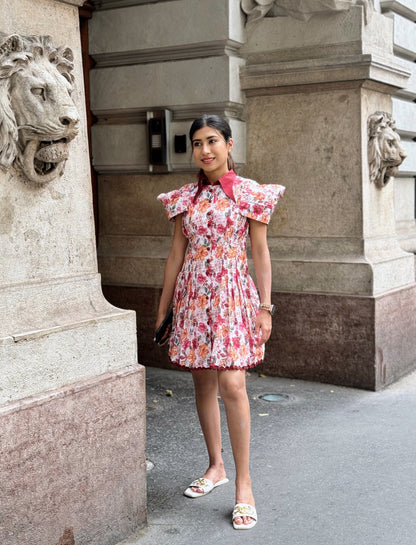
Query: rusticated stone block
x=73 y=463
x=355 y=341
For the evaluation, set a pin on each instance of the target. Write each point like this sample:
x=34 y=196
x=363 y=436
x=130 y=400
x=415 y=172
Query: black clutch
x=163 y=331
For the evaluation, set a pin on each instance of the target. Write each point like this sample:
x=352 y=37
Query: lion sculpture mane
x=38 y=117
x=385 y=153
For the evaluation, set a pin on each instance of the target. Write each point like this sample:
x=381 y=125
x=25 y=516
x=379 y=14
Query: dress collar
x=226 y=182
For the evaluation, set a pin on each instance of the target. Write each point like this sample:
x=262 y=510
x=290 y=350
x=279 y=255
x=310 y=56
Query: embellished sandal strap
x=244 y=510
x=202 y=482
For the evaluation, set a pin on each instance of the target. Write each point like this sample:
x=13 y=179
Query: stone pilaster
x=62 y=345
x=333 y=243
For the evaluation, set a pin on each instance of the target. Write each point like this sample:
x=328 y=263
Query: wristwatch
x=269 y=308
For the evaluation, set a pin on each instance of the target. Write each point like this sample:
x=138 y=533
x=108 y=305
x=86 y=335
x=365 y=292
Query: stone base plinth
x=357 y=341
x=362 y=342
x=73 y=463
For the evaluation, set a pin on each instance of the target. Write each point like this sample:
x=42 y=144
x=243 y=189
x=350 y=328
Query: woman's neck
x=213 y=177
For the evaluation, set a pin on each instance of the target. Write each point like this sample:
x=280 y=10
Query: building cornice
x=164 y=54
x=182 y=112
x=276 y=76
x=115 y=4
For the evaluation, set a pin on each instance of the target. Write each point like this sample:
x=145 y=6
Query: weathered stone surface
x=364 y=342
x=71 y=391
x=74 y=459
x=334 y=231
x=56 y=327
x=361 y=342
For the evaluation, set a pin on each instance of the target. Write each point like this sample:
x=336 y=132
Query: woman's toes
x=197 y=490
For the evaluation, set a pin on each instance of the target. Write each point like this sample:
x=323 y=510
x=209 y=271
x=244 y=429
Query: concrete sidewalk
x=330 y=466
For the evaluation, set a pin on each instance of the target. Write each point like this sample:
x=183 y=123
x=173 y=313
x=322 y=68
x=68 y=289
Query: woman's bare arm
x=262 y=266
x=173 y=266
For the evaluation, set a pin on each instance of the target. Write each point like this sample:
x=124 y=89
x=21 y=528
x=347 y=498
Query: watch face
x=272 y=309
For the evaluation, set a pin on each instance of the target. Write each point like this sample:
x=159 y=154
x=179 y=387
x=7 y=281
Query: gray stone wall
x=183 y=56
x=304 y=91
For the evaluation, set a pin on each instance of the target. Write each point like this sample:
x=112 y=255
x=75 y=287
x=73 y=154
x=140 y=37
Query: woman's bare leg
x=206 y=399
x=232 y=387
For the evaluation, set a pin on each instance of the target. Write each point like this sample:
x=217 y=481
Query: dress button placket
x=208 y=259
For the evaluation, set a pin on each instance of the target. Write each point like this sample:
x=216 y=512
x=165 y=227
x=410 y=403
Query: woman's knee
x=232 y=385
x=205 y=382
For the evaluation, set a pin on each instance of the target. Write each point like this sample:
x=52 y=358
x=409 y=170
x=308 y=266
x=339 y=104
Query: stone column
x=344 y=286
x=72 y=405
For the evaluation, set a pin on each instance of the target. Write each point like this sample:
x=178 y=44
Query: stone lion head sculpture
x=385 y=153
x=38 y=117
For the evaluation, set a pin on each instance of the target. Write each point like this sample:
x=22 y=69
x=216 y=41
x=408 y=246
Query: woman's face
x=210 y=151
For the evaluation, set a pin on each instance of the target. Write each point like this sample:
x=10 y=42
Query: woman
x=220 y=322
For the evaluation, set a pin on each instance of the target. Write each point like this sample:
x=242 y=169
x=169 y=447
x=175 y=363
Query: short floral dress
x=215 y=300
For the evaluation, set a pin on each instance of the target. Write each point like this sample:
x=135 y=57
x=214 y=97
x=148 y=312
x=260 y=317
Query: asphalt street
x=330 y=465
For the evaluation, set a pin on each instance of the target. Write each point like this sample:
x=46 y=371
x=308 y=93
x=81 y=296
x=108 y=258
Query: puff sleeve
x=177 y=201
x=257 y=201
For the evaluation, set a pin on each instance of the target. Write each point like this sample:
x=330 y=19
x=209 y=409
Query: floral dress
x=215 y=301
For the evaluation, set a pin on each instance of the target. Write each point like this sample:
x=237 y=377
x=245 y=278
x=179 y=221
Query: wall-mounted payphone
x=158 y=124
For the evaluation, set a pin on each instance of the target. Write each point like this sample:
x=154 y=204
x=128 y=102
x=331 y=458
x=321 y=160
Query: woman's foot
x=244 y=516
x=244 y=495
x=215 y=474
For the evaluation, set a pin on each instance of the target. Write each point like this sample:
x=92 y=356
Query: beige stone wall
x=50 y=287
x=308 y=96
x=66 y=353
x=145 y=65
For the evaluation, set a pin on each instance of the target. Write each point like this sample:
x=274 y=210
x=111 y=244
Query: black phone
x=163 y=331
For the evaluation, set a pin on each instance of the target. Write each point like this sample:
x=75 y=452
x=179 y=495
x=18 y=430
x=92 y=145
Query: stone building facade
x=298 y=89
x=309 y=95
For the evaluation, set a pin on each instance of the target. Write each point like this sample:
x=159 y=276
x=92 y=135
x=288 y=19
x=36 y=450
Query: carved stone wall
x=299 y=9
x=39 y=117
x=63 y=347
x=150 y=64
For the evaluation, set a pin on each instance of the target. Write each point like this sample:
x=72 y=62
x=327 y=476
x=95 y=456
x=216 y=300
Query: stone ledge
x=54 y=305
x=180 y=112
x=72 y=2
x=101 y=5
x=216 y=48
x=49 y=359
x=320 y=71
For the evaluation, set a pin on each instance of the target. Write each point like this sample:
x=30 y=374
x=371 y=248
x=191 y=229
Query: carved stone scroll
x=385 y=152
x=38 y=117
x=300 y=9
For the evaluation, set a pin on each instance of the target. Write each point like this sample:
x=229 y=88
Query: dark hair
x=218 y=123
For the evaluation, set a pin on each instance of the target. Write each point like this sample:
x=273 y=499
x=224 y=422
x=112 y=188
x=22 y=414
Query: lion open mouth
x=44 y=160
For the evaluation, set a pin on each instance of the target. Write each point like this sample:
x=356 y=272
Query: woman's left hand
x=263 y=327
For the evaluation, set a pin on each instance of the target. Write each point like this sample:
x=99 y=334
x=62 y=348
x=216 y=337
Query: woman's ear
x=230 y=144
